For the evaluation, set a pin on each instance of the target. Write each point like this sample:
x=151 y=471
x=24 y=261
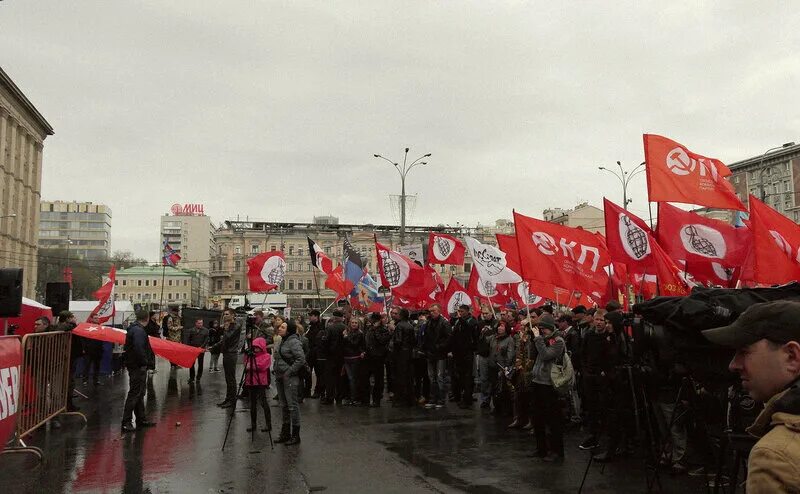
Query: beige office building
x=83 y=228
x=22 y=133
x=236 y=241
x=583 y=215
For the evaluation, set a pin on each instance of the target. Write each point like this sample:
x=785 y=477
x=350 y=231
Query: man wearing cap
x=766 y=338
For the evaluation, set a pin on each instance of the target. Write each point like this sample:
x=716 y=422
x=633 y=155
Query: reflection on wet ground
x=344 y=449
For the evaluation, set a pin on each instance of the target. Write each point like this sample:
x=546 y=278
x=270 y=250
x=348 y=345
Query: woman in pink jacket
x=256 y=380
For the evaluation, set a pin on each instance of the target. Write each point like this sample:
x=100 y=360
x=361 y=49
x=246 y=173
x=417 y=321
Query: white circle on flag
x=395 y=268
x=487 y=288
x=544 y=242
x=442 y=247
x=721 y=272
x=274 y=270
x=703 y=241
x=458 y=298
x=633 y=238
x=679 y=163
x=782 y=243
x=523 y=290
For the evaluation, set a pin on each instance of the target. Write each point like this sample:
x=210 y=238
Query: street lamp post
x=761 y=170
x=403 y=171
x=625 y=178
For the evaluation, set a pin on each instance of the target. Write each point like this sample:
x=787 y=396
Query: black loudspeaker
x=10 y=292
x=56 y=296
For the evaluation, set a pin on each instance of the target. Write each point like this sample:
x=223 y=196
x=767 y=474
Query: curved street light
x=403 y=171
x=625 y=178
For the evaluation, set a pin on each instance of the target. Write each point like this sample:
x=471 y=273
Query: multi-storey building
x=82 y=227
x=22 y=133
x=149 y=285
x=588 y=217
x=773 y=177
x=236 y=241
x=190 y=232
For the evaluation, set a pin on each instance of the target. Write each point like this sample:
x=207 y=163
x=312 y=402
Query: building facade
x=190 y=232
x=83 y=228
x=22 y=133
x=773 y=177
x=236 y=241
x=148 y=286
x=583 y=215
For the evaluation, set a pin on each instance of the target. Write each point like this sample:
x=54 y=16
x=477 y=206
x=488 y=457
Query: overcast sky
x=273 y=110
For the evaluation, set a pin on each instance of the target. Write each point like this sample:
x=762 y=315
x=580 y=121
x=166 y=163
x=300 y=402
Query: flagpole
x=316 y=283
x=650 y=210
x=163 y=274
x=569 y=300
x=326 y=308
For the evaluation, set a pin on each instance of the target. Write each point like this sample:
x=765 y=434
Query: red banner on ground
x=177 y=353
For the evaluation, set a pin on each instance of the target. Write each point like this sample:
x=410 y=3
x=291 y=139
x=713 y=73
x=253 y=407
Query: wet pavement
x=343 y=450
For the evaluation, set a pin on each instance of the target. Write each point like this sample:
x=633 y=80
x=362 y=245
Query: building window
x=138 y=282
x=237 y=285
x=146 y=282
x=736 y=179
x=308 y=266
x=185 y=296
x=237 y=265
x=116 y=282
x=169 y=296
x=272 y=248
x=155 y=282
x=291 y=250
x=138 y=296
x=291 y=284
x=309 y=285
x=169 y=282
x=467 y=267
x=299 y=251
x=254 y=249
x=124 y=282
x=237 y=249
x=185 y=282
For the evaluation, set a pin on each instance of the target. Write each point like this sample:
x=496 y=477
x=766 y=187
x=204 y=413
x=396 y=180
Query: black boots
x=295 y=439
x=284 y=436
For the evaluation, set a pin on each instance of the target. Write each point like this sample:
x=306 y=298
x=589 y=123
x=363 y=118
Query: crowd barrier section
x=45 y=382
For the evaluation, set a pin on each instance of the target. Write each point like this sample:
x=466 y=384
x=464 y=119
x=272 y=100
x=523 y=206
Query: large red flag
x=445 y=249
x=487 y=289
x=105 y=298
x=668 y=276
x=561 y=256
x=710 y=250
x=678 y=175
x=776 y=245
x=456 y=295
x=627 y=238
x=403 y=276
x=335 y=281
x=265 y=272
x=177 y=353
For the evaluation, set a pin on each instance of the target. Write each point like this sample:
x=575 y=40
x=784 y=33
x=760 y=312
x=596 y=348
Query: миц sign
x=187 y=210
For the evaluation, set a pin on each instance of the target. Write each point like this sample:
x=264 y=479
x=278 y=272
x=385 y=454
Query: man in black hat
x=766 y=338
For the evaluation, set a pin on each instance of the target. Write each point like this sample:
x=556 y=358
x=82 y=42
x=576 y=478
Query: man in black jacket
x=403 y=342
x=332 y=350
x=229 y=347
x=314 y=334
x=463 y=341
x=66 y=322
x=434 y=344
x=139 y=358
x=197 y=336
x=376 y=337
x=487 y=327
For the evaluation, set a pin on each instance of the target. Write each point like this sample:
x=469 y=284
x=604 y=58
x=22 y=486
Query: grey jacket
x=289 y=357
x=502 y=351
x=196 y=337
x=547 y=352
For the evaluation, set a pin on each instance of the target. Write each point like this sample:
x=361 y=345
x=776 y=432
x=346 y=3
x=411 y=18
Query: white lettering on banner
x=547 y=246
x=492 y=262
x=9 y=391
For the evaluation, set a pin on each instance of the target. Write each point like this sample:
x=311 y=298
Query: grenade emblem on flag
x=635 y=238
x=391 y=270
x=700 y=244
x=444 y=247
x=458 y=299
x=489 y=289
x=276 y=274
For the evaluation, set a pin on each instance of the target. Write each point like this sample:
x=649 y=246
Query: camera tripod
x=645 y=433
x=251 y=366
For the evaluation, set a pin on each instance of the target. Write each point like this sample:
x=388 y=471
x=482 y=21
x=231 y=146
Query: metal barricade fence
x=45 y=384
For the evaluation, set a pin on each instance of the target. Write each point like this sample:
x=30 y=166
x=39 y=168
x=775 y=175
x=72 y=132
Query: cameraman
x=229 y=347
x=767 y=341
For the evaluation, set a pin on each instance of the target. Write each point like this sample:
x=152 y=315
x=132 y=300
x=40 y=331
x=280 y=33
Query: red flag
x=710 y=250
x=169 y=256
x=456 y=295
x=487 y=289
x=627 y=238
x=177 y=353
x=676 y=174
x=265 y=272
x=403 y=276
x=335 y=281
x=319 y=259
x=105 y=309
x=445 y=249
x=776 y=245
x=668 y=276
x=561 y=256
x=644 y=285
